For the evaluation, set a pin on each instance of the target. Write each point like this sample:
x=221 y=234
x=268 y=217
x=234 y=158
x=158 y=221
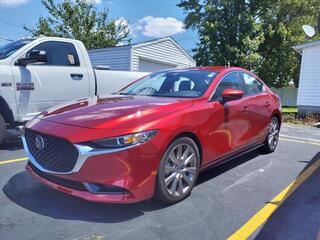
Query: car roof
x=215 y=68
x=212 y=68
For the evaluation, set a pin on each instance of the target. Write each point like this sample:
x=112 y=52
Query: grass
x=289 y=109
x=290 y=115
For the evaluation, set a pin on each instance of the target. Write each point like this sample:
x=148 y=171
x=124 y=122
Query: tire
x=271 y=142
x=178 y=171
x=2 y=128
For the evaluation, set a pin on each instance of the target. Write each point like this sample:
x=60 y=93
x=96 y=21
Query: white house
x=147 y=56
x=309 y=84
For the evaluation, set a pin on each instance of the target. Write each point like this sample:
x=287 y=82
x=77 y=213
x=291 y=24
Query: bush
x=295 y=118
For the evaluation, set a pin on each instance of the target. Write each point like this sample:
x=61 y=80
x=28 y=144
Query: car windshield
x=172 y=83
x=10 y=48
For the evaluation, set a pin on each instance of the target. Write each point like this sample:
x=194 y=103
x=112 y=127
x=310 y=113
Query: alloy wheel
x=180 y=170
x=273 y=135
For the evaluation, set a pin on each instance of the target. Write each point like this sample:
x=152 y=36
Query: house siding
x=309 y=85
x=165 y=52
x=118 y=58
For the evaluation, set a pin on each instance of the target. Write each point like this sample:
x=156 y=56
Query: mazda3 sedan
x=153 y=137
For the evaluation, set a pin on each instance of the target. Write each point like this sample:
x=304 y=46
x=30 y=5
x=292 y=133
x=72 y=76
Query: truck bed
x=109 y=81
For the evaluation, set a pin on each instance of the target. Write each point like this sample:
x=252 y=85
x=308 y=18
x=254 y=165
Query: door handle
x=267 y=104
x=76 y=75
x=6 y=84
x=245 y=109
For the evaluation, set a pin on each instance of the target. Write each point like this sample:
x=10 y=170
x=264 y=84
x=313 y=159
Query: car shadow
x=28 y=193
x=12 y=144
x=215 y=171
x=298 y=217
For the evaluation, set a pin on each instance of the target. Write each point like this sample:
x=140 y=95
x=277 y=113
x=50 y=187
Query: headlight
x=126 y=140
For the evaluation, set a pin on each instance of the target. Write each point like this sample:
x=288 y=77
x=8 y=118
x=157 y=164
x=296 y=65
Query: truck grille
x=52 y=153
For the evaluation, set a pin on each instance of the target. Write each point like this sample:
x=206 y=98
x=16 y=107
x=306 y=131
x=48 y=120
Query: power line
x=6 y=39
x=12 y=24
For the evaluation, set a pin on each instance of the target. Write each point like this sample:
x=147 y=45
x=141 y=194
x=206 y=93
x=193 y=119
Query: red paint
x=232 y=94
x=221 y=128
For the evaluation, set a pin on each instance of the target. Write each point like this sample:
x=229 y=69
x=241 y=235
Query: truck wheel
x=2 y=128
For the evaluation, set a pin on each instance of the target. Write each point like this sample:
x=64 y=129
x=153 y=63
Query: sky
x=148 y=19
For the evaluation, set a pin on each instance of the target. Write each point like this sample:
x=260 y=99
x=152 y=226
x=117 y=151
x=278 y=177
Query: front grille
x=60 y=181
x=56 y=154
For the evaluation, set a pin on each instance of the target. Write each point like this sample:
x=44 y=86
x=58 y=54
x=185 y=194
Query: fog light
x=104 y=189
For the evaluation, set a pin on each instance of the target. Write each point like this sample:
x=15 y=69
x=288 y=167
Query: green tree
x=255 y=34
x=282 y=29
x=79 y=19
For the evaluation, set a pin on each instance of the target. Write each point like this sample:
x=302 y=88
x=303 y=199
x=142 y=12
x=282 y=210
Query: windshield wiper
x=122 y=93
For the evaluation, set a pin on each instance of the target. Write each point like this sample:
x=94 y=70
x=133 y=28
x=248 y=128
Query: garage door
x=150 y=66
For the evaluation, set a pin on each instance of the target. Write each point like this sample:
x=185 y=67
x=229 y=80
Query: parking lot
x=234 y=199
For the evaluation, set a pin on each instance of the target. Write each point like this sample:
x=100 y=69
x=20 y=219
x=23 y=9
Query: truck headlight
x=125 y=141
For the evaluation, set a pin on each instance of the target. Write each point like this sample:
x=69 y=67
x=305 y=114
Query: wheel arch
x=194 y=137
x=278 y=115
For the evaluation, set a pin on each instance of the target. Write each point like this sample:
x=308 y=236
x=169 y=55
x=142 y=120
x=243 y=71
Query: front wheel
x=178 y=171
x=272 y=138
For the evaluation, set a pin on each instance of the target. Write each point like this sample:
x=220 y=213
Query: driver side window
x=58 y=53
x=229 y=81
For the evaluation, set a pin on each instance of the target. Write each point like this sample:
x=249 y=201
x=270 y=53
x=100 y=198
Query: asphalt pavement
x=225 y=198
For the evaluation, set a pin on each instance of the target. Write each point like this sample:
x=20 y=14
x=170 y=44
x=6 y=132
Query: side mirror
x=35 y=56
x=232 y=94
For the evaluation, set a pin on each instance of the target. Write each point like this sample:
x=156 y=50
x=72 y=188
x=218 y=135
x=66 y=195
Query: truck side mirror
x=35 y=56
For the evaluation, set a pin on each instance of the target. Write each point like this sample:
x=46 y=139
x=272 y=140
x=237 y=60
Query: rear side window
x=231 y=80
x=58 y=53
x=253 y=85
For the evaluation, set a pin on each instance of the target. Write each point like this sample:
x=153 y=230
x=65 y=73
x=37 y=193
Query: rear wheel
x=272 y=138
x=178 y=171
x=2 y=128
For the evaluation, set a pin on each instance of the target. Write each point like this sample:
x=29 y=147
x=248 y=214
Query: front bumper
x=133 y=170
x=114 y=198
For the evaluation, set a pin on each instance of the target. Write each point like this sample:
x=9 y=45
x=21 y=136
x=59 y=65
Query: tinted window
x=59 y=53
x=172 y=83
x=10 y=48
x=231 y=80
x=253 y=85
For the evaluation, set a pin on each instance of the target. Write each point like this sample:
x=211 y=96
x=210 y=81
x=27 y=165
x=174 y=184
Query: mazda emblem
x=39 y=142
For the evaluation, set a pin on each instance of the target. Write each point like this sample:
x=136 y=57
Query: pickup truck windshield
x=10 y=48
x=172 y=83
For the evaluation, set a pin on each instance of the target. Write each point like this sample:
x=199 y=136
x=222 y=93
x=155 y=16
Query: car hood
x=114 y=111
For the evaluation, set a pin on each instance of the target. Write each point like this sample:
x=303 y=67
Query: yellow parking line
x=299 y=141
x=262 y=216
x=13 y=160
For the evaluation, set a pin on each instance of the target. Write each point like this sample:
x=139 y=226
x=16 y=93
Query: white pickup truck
x=38 y=73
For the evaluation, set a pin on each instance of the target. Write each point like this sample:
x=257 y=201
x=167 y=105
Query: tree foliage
x=78 y=19
x=255 y=34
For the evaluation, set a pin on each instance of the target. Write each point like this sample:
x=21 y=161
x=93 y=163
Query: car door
x=229 y=122
x=258 y=107
x=42 y=85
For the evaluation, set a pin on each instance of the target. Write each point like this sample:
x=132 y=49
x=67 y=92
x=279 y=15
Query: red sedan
x=153 y=137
